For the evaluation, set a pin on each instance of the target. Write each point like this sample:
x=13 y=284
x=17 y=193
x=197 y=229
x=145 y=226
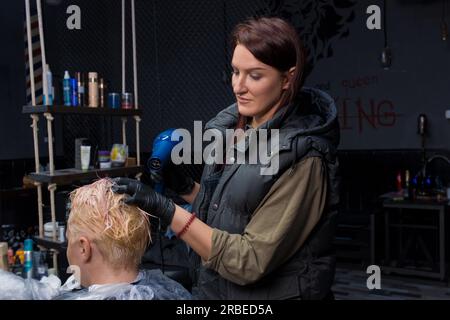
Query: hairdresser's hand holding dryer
x=262 y=236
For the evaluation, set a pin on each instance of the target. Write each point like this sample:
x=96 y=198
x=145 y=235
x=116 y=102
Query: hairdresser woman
x=262 y=236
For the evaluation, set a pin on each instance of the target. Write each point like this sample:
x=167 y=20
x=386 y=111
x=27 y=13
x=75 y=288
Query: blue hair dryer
x=162 y=149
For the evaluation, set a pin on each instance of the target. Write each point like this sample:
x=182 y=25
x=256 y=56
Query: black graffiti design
x=319 y=22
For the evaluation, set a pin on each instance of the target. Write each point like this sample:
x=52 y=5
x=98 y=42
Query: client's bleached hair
x=120 y=231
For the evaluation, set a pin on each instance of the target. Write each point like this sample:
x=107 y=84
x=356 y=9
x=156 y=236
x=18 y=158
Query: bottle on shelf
x=102 y=91
x=66 y=88
x=40 y=267
x=4 y=256
x=408 y=186
x=93 y=89
x=127 y=100
x=81 y=91
x=398 y=182
x=20 y=254
x=74 y=92
x=48 y=100
x=28 y=263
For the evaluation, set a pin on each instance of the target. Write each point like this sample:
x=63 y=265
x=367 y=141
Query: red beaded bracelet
x=186 y=226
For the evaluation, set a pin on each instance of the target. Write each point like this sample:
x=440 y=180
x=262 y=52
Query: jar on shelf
x=104 y=159
x=127 y=100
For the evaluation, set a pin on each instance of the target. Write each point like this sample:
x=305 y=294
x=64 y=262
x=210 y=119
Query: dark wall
x=379 y=108
x=182 y=59
x=15 y=132
x=183 y=67
x=16 y=136
x=183 y=73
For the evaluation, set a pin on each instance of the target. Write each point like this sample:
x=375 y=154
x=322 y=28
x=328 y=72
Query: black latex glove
x=174 y=179
x=145 y=198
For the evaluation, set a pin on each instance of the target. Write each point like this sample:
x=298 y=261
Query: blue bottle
x=66 y=88
x=28 y=263
x=74 y=91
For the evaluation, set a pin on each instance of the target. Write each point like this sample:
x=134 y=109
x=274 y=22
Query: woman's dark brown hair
x=275 y=42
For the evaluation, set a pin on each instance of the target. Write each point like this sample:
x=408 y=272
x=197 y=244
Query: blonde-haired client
x=106 y=240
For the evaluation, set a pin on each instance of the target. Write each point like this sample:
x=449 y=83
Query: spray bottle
x=81 y=92
x=74 y=91
x=66 y=88
x=28 y=266
x=48 y=74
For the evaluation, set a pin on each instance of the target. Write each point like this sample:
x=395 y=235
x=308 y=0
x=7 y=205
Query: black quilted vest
x=228 y=197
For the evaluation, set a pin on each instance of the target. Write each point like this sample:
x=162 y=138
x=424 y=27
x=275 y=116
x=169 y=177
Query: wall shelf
x=54 y=177
x=67 y=176
x=28 y=109
x=70 y=175
x=50 y=243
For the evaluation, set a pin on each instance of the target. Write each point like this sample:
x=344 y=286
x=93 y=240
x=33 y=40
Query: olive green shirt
x=278 y=227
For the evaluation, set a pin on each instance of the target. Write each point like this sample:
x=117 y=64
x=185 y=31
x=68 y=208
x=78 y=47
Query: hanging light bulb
x=444 y=31
x=444 y=28
x=386 y=54
x=386 y=58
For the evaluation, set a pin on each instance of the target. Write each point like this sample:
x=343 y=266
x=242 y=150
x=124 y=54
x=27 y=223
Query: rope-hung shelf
x=67 y=176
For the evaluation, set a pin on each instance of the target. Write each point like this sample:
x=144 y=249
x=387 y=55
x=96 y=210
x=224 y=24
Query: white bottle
x=49 y=76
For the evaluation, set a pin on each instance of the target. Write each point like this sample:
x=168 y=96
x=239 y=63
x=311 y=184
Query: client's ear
x=84 y=249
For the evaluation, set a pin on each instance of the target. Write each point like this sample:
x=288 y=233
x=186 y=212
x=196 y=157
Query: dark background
x=183 y=64
x=183 y=74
